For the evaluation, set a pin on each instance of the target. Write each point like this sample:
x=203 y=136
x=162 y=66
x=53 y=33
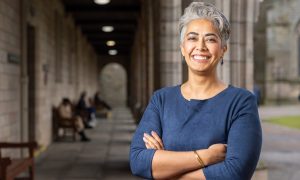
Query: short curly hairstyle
x=202 y=10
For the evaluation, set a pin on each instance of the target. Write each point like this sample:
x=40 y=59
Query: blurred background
x=127 y=49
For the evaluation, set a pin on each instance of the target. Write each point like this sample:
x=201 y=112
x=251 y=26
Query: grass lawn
x=289 y=121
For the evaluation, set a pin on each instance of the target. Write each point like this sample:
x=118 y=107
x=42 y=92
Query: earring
x=222 y=61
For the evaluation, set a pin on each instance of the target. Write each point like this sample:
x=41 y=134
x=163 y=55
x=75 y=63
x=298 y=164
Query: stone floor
x=106 y=156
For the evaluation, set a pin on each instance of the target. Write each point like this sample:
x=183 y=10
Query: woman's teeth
x=197 y=57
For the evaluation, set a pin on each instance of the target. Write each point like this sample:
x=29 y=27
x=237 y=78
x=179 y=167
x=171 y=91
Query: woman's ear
x=224 y=49
x=182 y=50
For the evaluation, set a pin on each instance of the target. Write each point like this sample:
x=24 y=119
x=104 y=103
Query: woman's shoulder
x=166 y=91
x=239 y=93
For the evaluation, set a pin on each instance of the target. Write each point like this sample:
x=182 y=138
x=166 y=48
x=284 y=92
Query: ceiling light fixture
x=113 y=52
x=107 y=28
x=101 y=2
x=110 y=43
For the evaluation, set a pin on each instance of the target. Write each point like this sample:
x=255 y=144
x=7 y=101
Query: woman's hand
x=153 y=141
x=216 y=153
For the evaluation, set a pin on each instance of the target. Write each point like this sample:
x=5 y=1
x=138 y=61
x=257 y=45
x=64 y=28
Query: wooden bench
x=11 y=168
x=63 y=123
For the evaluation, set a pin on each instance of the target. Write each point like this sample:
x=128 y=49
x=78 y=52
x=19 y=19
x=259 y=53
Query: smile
x=200 y=58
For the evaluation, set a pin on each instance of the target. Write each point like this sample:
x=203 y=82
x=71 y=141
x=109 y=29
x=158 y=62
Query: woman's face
x=201 y=46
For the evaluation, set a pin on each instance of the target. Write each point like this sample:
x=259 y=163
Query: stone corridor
x=105 y=157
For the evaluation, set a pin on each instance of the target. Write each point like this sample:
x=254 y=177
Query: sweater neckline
x=196 y=101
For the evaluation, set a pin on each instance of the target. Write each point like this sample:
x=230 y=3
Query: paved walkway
x=281 y=145
x=105 y=157
x=277 y=111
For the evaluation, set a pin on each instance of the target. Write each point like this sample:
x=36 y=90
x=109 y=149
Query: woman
x=184 y=129
x=65 y=112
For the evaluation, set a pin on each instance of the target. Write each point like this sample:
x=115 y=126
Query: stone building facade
x=278 y=51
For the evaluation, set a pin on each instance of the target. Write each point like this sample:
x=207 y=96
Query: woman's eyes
x=192 y=38
x=212 y=39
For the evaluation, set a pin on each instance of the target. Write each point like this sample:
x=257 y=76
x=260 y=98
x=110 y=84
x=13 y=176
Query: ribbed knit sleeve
x=140 y=157
x=243 y=144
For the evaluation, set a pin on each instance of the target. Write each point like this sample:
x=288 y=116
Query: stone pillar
x=242 y=17
x=150 y=46
x=237 y=42
x=170 y=56
x=224 y=71
x=252 y=17
x=24 y=77
x=259 y=51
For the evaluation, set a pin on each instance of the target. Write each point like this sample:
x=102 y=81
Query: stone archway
x=113 y=84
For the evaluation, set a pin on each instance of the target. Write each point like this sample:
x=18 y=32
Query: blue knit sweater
x=230 y=117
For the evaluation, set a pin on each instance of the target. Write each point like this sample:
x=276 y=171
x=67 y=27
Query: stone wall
x=282 y=61
x=65 y=65
x=9 y=71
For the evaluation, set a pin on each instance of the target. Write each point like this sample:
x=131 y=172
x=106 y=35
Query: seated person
x=87 y=112
x=65 y=111
x=100 y=103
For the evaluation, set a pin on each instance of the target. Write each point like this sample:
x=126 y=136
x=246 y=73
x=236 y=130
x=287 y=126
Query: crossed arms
x=149 y=159
x=181 y=165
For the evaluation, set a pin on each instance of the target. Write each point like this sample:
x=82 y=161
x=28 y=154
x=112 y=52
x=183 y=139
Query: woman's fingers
x=151 y=141
x=157 y=138
x=149 y=144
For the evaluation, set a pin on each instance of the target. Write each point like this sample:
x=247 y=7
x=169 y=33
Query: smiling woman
x=203 y=128
x=202 y=46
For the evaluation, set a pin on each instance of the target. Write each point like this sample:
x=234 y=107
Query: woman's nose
x=201 y=46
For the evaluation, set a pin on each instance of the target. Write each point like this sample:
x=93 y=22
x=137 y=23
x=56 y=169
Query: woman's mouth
x=200 y=58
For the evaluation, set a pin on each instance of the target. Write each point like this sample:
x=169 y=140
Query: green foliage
x=289 y=121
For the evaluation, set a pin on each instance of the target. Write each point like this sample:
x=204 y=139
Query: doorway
x=31 y=81
x=113 y=85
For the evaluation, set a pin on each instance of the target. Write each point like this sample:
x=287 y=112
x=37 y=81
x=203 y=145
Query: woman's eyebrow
x=192 y=33
x=205 y=35
x=211 y=34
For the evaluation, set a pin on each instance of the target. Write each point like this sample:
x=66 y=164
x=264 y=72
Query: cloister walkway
x=105 y=157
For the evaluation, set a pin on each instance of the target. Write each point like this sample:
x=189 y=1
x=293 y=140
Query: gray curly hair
x=202 y=10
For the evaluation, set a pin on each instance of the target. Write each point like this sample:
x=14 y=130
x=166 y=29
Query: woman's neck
x=202 y=87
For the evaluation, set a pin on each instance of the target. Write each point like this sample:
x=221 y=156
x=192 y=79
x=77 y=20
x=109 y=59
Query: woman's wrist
x=204 y=154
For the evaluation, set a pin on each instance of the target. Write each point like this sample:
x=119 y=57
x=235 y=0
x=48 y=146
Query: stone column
x=24 y=77
x=252 y=17
x=170 y=56
x=242 y=17
x=224 y=71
